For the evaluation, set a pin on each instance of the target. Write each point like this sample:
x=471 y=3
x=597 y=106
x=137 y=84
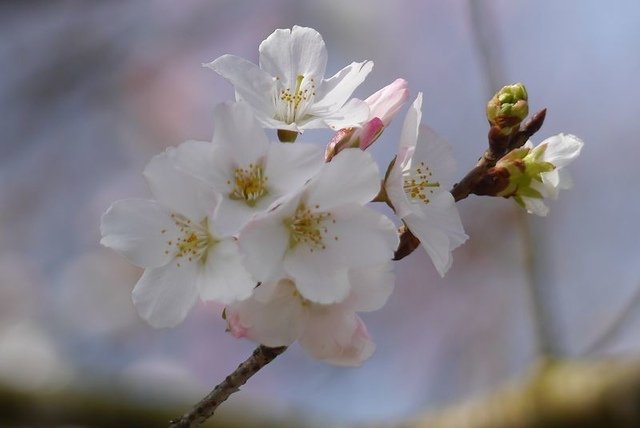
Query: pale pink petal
x=163 y=296
x=317 y=281
x=336 y=336
x=277 y=321
x=139 y=230
x=223 y=277
x=370 y=287
x=385 y=103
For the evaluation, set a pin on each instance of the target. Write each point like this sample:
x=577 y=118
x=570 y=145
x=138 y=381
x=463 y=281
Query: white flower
x=247 y=171
x=288 y=89
x=318 y=234
x=277 y=315
x=417 y=186
x=174 y=238
x=559 y=151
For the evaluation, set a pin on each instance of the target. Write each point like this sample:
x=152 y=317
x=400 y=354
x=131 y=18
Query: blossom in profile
x=288 y=91
x=417 y=186
x=174 y=238
x=277 y=315
x=315 y=236
x=538 y=173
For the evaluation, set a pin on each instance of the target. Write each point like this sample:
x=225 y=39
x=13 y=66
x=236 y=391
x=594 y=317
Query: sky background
x=90 y=91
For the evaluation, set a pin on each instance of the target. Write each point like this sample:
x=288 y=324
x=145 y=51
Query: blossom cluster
x=283 y=234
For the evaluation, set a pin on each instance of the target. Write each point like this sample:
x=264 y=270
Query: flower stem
x=262 y=356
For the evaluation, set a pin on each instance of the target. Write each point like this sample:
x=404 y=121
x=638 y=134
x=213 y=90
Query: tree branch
x=262 y=356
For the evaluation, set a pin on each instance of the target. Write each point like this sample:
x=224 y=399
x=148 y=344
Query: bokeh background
x=90 y=91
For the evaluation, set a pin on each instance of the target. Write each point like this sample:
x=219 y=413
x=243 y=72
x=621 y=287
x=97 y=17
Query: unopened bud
x=508 y=107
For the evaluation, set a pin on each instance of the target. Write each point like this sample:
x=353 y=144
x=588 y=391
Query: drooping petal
x=139 y=229
x=535 y=206
x=335 y=91
x=276 y=320
x=336 y=336
x=350 y=177
x=176 y=190
x=252 y=84
x=164 y=295
x=370 y=287
x=287 y=54
x=223 y=277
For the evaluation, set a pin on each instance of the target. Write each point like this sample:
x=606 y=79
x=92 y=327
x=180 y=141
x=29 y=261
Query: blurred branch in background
x=557 y=394
x=105 y=409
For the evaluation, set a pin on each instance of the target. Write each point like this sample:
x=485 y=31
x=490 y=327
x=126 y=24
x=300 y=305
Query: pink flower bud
x=383 y=105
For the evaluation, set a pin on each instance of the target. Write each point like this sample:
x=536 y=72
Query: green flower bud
x=508 y=107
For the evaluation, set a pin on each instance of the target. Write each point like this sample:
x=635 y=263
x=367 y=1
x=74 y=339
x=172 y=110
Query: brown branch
x=262 y=356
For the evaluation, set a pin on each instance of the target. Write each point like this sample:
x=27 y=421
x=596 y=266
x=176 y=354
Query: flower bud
x=508 y=107
x=383 y=106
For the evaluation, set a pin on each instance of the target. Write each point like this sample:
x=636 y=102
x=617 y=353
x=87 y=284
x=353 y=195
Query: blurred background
x=90 y=91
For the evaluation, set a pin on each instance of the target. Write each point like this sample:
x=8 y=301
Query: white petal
x=317 y=280
x=437 y=154
x=223 y=277
x=253 y=85
x=350 y=177
x=335 y=91
x=394 y=186
x=353 y=113
x=410 y=127
x=439 y=229
x=163 y=296
x=232 y=215
x=287 y=54
x=175 y=190
x=535 y=206
x=264 y=241
x=134 y=228
x=365 y=237
x=276 y=321
x=336 y=336
x=290 y=166
x=562 y=149
x=194 y=158
x=238 y=131
x=370 y=287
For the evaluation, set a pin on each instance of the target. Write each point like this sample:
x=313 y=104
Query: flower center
x=308 y=228
x=291 y=105
x=249 y=184
x=194 y=239
x=417 y=185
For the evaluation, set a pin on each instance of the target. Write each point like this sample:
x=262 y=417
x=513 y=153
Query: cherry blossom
x=417 y=186
x=288 y=90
